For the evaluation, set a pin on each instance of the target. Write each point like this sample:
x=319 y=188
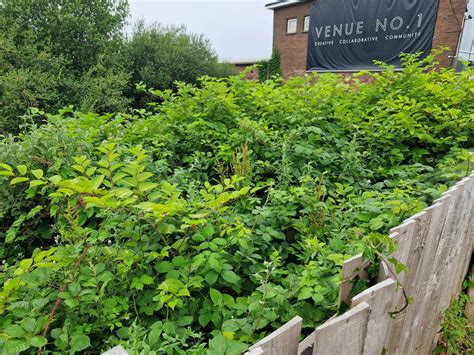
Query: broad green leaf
x=216 y=296
x=79 y=342
x=230 y=276
x=38 y=341
x=22 y=169
x=219 y=344
x=38 y=173
x=29 y=324
x=6 y=173
x=211 y=277
x=185 y=320
x=15 y=346
x=14 y=331
x=6 y=167
x=18 y=180
x=146 y=279
x=305 y=292
x=34 y=183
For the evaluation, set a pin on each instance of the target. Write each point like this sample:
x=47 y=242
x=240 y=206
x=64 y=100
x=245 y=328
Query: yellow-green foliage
x=206 y=222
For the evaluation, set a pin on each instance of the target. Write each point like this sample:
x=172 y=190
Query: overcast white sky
x=238 y=29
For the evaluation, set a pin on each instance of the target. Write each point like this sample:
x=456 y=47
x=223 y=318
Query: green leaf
x=38 y=173
x=6 y=173
x=219 y=344
x=230 y=276
x=146 y=186
x=204 y=319
x=214 y=263
x=146 y=279
x=29 y=324
x=14 y=331
x=208 y=231
x=154 y=335
x=22 y=169
x=211 y=277
x=79 y=342
x=55 y=179
x=216 y=296
x=6 y=167
x=376 y=224
x=17 y=180
x=15 y=346
x=198 y=238
x=306 y=292
x=166 y=228
x=38 y=341
x=183 y=292
x=35 y=183
x=184 y=321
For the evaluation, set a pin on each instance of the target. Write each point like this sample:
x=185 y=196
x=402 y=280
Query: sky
x=237 y=29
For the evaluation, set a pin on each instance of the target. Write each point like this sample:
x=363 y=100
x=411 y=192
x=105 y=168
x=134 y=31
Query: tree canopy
x=75 y=52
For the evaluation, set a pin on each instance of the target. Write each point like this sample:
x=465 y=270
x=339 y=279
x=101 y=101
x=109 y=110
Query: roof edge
x=280 y=4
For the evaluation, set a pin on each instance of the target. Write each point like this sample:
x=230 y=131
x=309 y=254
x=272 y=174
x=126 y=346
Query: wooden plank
x=441 y=269
x=456 y=260
x=416 y=229
x=380 y=299
x=256 y=351
x=284 y=340
x=424 y=289
x=343 y=335
x=353 y=267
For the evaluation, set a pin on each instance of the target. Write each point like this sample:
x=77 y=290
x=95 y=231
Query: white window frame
x=291 y=21
x=306 y=24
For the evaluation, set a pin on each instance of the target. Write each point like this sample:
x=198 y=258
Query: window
x=291 y=25
x=306 y=24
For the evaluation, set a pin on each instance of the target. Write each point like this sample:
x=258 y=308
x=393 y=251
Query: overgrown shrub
x=158 y=56
x=75 y=52
x=269 y=68
x=205 y=223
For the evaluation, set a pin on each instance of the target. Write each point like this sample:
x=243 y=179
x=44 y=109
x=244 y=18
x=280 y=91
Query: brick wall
x=293 y=47
x=250 y=75
x=448 y=28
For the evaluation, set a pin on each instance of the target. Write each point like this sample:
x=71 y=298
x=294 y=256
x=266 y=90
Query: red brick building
x=291 y=25
x=242 y=65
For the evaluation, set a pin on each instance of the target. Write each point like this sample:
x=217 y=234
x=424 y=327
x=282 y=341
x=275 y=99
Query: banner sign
x=351 y=34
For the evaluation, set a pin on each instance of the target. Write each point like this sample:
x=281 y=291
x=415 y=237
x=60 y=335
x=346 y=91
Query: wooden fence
x=436 y=245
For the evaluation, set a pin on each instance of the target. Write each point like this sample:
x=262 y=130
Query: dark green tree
x=61 y=52
x=160 y=55
x=79 y=31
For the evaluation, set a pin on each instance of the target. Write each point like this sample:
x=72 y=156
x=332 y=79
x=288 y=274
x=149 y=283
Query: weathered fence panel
x=436 y=245
x=284 y=340
x=343 y=335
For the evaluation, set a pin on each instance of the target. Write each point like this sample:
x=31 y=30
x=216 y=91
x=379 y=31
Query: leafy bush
x=204 y=224
x=74 y=52
x=457 y=332
x=271 y=67
x=158 y=56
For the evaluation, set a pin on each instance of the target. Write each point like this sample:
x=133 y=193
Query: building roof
x=247 y=61
x=279 y=4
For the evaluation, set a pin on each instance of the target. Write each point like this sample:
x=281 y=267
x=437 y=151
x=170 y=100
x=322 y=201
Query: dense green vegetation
x=70 y=52
x=457 y=332
x=269 y=68
x=206 y=222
